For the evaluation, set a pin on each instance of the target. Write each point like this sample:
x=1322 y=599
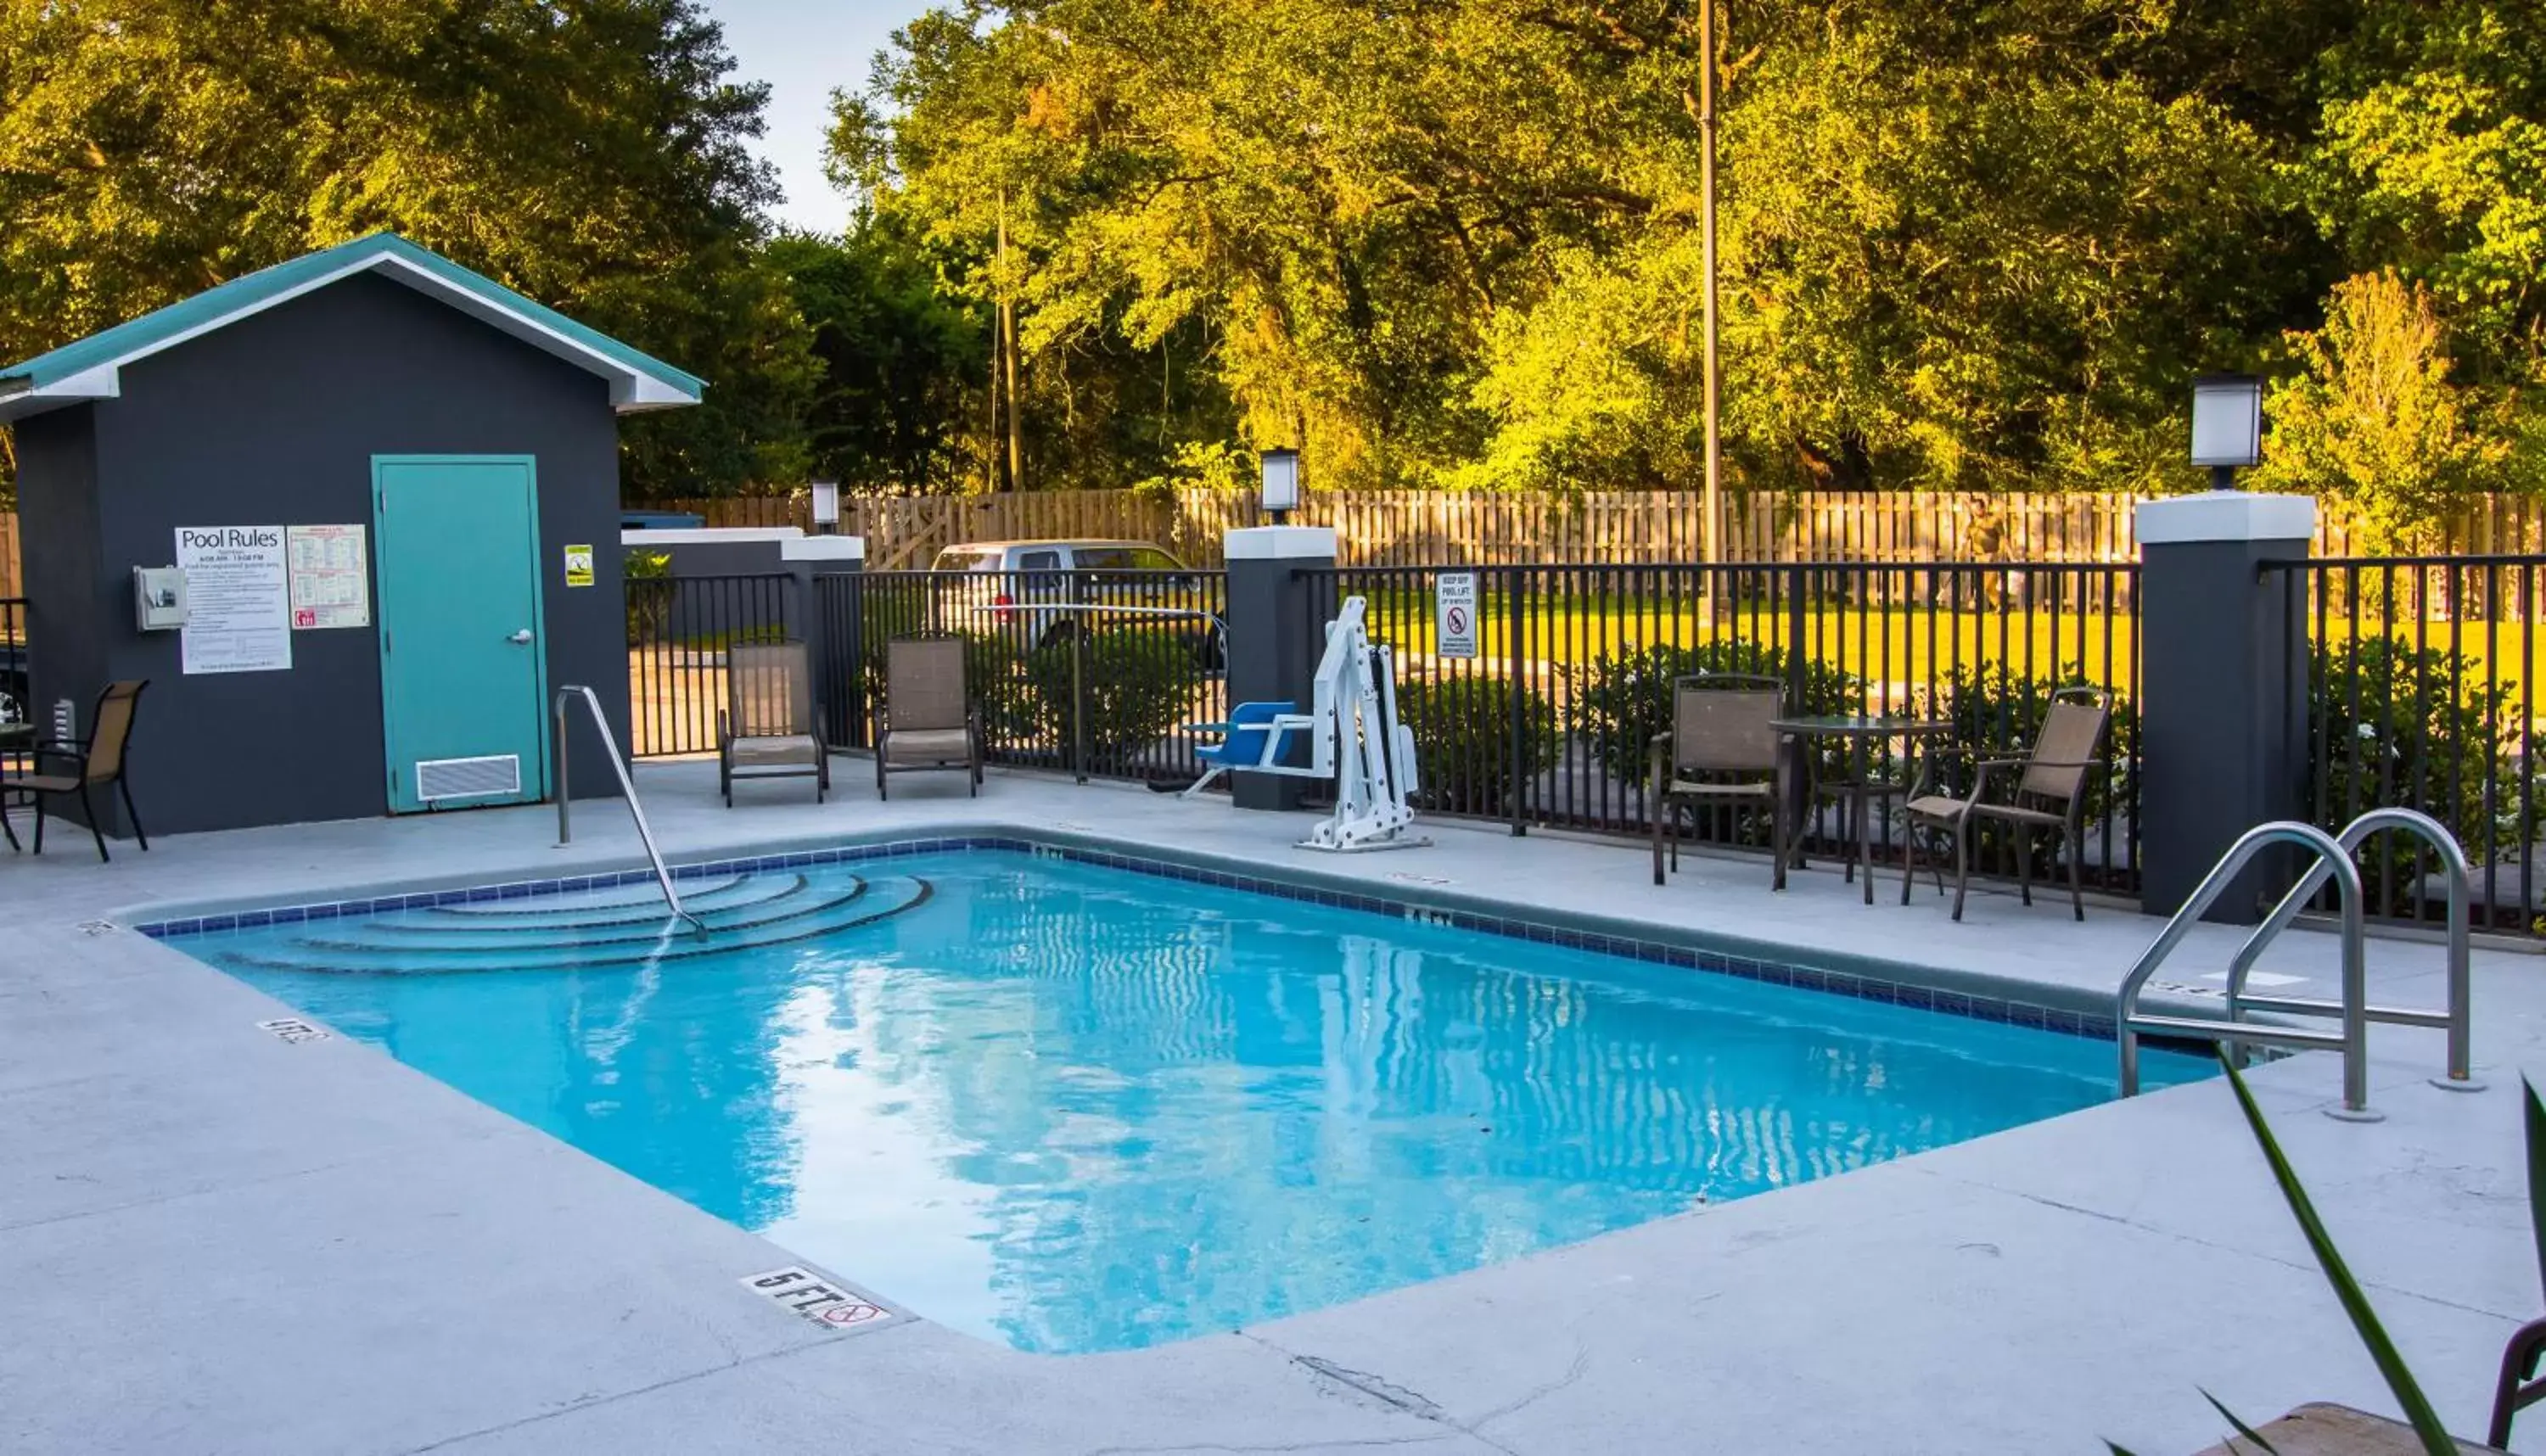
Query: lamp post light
x=826 y=508
x=2227 y=425
x=1281 y=492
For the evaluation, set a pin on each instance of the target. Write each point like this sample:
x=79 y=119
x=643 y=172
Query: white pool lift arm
x=1356 y=737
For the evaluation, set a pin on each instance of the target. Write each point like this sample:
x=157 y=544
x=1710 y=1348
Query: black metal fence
x=2421 y=691
x=1099 y=673
x=14 y=705
x=678 y=631
x=1548 y=721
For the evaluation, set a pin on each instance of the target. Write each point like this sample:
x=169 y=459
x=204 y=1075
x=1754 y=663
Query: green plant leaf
x=2118 y=1450
x=2534 y=1121
x=2400 y=1380
x=2252 y=1437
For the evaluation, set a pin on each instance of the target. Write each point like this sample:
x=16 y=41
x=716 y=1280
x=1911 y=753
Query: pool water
x=1071 y=1109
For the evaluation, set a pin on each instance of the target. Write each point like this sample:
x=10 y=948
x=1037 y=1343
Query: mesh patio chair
x=92 y=765
x=927 y=721
x=1722 y=748
x=2050 y=793
x=769 y=727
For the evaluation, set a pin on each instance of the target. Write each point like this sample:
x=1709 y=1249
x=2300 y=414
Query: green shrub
x=2395 y=724
x=1620 y=704
x=649 y=587
x=1137 y=685
x=1998 y=713
x=1462 y=741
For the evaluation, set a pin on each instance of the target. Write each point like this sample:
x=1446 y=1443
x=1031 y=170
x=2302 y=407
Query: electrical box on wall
x=158 y=598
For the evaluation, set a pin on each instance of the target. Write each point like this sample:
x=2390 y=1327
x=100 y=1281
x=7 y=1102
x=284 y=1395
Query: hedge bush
x=2394 y=723
x=1137 y=685
x=1462 y=741
x=1620 y=703
x=1998 y=713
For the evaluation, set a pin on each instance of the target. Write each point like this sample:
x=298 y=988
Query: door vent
x=438 y=779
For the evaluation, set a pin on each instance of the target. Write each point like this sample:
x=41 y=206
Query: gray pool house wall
x=274 y=419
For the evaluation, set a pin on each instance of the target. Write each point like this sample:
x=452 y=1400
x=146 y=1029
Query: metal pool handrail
x=2352 y=1041
x=2455 y=1018
x=626 y=786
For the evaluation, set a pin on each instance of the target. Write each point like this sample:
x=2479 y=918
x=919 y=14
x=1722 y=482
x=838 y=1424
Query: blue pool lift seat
x=1249 y=739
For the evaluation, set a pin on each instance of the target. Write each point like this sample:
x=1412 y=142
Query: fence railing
x=15 y=704
x=1504 y=528
x=1549 y=722
x=1099 y=673
x=2421 y=691
x=678 y=631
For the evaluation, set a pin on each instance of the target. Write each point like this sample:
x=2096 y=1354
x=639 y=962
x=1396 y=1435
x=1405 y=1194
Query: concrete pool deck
x=212 y=1239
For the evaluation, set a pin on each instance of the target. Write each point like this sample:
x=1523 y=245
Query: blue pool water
x=1075 y=1109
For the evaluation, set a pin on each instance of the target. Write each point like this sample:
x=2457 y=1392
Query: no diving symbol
x=1458 y=622
x=857 y=1314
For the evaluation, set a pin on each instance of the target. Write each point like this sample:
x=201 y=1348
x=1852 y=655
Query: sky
x=803 y=49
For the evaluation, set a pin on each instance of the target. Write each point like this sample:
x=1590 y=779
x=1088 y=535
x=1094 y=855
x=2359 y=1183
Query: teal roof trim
x=85 y=370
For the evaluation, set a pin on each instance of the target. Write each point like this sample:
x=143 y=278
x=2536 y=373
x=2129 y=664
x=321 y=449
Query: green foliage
x=898 y=360
x=2400 y=1380
x=2375 y=420
x=1135 y=686
x=1618 y=703
x=1998 y=713
x=1464 y=750
x=646 y=576
x=593 y=156
x=2397 y=724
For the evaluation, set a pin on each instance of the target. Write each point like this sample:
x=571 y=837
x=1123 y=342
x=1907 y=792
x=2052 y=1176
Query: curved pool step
x=736 y=905
x=877 y=899
x=510 y=948
x=546 y=908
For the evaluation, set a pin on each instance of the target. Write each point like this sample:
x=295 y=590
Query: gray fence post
x=1276 y=632
x=832 y=648
x=2223 y=690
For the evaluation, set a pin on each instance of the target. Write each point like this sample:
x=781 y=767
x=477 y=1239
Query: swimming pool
x=1073 y=1108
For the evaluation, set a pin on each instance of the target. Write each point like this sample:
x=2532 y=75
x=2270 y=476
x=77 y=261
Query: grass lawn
x=1886 y=643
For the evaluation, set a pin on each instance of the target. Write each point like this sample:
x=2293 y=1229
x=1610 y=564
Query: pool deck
x=215 y=1240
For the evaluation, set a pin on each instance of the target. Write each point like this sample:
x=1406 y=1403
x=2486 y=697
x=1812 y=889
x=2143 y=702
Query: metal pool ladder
x=2333 y=861
x=626 y=786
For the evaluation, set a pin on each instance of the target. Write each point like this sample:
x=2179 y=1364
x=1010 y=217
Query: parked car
x=1039 y=592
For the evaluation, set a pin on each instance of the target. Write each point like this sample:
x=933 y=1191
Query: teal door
x=463 y=668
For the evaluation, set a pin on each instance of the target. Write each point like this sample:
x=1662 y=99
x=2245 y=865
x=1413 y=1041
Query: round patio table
x=1859 y=789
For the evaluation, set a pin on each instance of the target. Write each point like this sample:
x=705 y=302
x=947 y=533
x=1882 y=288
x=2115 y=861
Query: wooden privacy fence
x=1411 y=528
x=1423 y=528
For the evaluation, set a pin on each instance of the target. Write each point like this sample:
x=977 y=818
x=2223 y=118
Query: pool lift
x=1354 y=736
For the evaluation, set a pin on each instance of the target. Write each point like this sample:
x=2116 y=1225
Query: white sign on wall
x=331 y=579
x=238 y=600
x=1454 y=605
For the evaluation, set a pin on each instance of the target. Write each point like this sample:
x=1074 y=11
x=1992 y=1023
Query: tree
x=590 y=154
x=2375 y=420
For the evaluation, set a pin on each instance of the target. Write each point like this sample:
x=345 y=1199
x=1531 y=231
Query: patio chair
x=1722 y=748
x=770 y=728
x=92 y=764
x=2050 y=793
x=927 y=721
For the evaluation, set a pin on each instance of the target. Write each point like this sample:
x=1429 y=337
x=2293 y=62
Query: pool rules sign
x=1454 y=608
x=239 y=599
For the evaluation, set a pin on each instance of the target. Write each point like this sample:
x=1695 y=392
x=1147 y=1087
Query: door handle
x=521 y=638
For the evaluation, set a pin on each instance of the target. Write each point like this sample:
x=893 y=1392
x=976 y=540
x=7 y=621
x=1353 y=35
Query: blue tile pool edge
x=1905 y=986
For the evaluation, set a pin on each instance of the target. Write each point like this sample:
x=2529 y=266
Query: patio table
x=1859 y=789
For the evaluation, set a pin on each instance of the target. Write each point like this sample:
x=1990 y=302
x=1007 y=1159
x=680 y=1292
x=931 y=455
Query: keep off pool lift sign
x=1454 y=606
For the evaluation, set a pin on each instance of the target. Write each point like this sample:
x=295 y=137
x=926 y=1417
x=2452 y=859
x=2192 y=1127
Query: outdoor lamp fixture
x=1281 y=494
x=2227 y=425
x=826 y=508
